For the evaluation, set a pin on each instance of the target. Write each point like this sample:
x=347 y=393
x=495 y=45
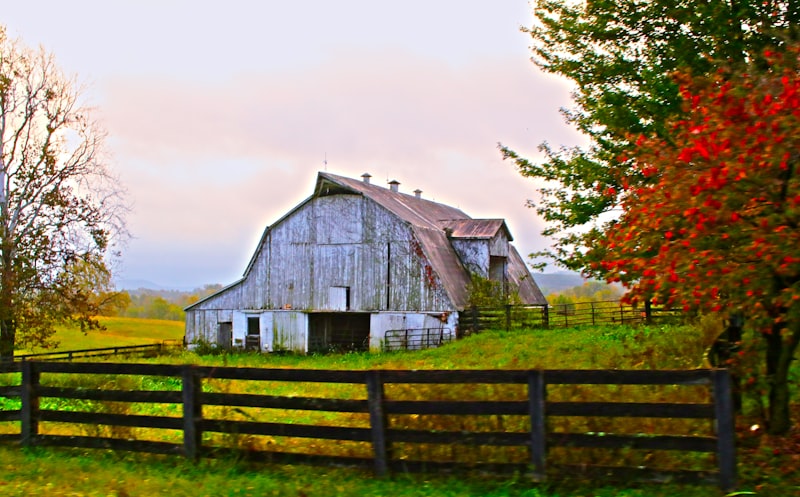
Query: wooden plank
x=455 y=407
x=378 y=422
x=10 y=366
x=726 y=429
x=455 y=376
x=285 y=430
x=279 y=374
x=642 y=441
x=414 y=466
x=98 y=352
x=631 y=409
x=537 y=411
x=29 y=411
x=459 y=437
x=276 y=457
x=110 y=443
x=146 y=396
x=137 y=369
x=133 y=420
x=275 y=402
x=10 y=391
x=11 y=416
x=627 y=377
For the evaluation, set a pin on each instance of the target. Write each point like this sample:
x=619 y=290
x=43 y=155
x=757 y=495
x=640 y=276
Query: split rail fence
x=381 y=432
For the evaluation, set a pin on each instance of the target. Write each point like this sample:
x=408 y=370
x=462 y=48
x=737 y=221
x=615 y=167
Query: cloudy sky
x=220 y=114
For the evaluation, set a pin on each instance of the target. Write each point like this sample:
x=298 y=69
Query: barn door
x=224 y=335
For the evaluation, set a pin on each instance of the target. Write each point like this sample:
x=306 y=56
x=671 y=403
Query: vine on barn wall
x=485 y=292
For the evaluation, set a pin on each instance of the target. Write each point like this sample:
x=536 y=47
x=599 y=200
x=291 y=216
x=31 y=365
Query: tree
x=713 y=224
x=620 y=55
x=60 y=208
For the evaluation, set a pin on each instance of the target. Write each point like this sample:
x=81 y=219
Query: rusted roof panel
x=413 y=210
x=475 y=228
x=445 y=261
x=519 y=275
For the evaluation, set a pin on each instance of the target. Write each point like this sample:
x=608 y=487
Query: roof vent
x=366 y=177
x=418 y=193
x=394 y=185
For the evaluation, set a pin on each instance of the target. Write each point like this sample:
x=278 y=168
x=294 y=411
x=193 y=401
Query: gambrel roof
x=433 y=224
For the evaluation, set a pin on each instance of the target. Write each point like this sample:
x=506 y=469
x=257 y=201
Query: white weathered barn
x=352 y=262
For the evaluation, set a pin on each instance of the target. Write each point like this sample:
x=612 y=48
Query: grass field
x=117 y=332
x=767 y=466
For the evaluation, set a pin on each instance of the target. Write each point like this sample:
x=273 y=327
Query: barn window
x=339 y=298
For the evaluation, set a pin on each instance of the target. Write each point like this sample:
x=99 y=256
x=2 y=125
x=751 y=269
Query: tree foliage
x=620 y=55
x=712 y=221
x=589 y=291
x=163 y=304
x=60 y=208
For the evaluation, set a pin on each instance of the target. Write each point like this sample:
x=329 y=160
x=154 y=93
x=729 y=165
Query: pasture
x=763 y=462
x=118 y=331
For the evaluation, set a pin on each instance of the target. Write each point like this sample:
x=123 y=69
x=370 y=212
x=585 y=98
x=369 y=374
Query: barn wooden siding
x=330 y=241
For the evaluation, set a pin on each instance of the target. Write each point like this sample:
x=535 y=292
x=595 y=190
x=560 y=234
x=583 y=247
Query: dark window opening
x=338 y=332
x=253 y=338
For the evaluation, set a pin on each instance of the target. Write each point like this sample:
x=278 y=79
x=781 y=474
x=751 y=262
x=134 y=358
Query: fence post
x=546 y=316
x=192 y=413
x=648 y=312
x=723 y=411
x=508 y=317
x=536 y=407
x=377 y=422
x=29 y=411
x=593 y=321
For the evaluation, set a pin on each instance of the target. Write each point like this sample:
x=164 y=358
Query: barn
x=354 y=264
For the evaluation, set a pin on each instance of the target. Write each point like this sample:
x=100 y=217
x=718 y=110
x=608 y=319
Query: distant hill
x=558 y=282
x=131 y=284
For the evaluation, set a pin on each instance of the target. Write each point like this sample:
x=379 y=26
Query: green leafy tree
x=590 y=291
x=60 y=209
x=620 y=55
x=717 y=225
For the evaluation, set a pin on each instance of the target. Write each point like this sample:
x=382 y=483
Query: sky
x=220 y=114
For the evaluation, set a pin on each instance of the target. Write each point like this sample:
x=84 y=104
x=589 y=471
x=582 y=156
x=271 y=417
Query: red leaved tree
x=713 y=226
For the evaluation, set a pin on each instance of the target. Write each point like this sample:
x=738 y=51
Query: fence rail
x=382 y=431
x=509 y=317
x=69 y=355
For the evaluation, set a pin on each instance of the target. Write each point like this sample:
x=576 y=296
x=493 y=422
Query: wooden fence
x=150 y=349
x=382 y=431
x=509 y=317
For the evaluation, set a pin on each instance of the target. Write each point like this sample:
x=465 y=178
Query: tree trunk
x=8 y=335
x=779 y=355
